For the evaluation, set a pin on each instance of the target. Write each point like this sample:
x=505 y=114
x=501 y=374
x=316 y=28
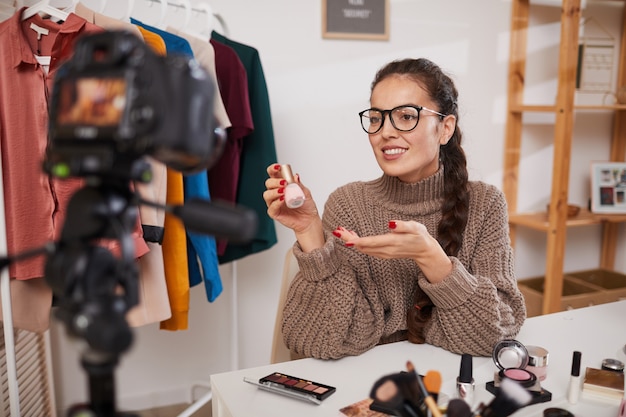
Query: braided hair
x=454 y=211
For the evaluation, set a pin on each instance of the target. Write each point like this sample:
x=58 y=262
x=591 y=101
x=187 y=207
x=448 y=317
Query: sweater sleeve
x=479 y=303
x=333 y=308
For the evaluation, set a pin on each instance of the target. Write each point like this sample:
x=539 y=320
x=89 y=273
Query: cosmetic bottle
x=294 y=196
x=465 y=381
x=573 y=390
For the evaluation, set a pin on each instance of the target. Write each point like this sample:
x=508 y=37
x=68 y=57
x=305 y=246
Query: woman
x=420 y=253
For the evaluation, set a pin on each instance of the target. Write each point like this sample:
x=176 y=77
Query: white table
x=598 y=332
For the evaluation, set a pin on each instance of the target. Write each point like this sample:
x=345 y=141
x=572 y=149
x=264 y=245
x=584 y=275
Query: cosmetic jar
x=556 y=412
x=613 y=365
x=538 y=361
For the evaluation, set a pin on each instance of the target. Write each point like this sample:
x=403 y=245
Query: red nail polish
x=392 y=225
x=349 y=244
x=277 y=167
x=281 y=190
x=282 y=198
x=336 y=233
x=283 y=182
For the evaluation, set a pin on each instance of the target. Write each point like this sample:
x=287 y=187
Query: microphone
x=217 y=218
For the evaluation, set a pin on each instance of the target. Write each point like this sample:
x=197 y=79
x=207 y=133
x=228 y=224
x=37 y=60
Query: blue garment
x=201 y=249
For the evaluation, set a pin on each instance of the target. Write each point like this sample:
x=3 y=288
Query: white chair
x=280 y=352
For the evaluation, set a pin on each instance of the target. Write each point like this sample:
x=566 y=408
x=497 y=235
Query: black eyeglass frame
x=384 y=112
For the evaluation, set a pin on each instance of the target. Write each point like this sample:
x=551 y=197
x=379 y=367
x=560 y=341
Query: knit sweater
x=343 y=302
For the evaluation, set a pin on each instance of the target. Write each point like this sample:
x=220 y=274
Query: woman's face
x=414 y=155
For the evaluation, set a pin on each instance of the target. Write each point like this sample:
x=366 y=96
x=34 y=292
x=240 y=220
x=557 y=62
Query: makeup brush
x=432 y=382
x=510 y=398
x=428 y=399
x=396 y=395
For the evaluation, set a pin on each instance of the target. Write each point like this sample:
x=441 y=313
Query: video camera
x=117 y=101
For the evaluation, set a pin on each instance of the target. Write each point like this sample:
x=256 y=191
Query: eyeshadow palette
x=294 y=387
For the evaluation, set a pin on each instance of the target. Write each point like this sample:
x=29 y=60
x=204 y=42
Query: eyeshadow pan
x=282 y=379
x=291 y=382
x=320 y=390
x=301 y=384
x=274 y=377
x=310 y=387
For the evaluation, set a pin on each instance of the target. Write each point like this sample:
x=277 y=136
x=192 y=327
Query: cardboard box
x=613 y=283
x=576 y=293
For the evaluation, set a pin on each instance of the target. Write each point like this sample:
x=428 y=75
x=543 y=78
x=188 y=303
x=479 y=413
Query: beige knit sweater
x=343 y=302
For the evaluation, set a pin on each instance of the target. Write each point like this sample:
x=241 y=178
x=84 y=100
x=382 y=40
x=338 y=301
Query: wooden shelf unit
x=555 y=221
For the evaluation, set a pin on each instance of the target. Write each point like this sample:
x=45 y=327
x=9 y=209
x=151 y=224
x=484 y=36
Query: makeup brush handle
x=432 y=406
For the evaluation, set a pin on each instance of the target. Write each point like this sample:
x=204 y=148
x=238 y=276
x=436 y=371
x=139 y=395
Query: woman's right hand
x=304 y=221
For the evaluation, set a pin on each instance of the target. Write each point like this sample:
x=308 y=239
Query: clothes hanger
x=187 y=6
x=44 y=7
x=204 y=6
x=129 y=10
x=71 y=8
x=162 y=20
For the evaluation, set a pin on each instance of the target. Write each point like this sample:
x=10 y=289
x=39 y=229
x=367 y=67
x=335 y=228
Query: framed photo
x=355 y=19
x=608 y=187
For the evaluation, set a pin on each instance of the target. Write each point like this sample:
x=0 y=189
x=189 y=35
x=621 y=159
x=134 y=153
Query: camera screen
x=92 y=101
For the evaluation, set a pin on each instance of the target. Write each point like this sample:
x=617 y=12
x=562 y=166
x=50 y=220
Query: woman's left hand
x=406 y=239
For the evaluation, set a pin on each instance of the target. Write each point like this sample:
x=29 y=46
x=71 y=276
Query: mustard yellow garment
x=174 y=237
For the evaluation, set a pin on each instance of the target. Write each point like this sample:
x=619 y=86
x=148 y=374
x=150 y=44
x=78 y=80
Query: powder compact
x=512 y=359
x=510 y=353
x=614 y=365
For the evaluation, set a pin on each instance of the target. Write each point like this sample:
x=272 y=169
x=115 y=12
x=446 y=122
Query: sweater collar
x=429 y=189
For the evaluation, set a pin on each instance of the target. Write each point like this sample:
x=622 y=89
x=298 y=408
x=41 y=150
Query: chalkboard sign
x=355 y=19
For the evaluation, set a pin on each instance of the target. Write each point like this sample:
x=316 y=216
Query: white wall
x=316 y=88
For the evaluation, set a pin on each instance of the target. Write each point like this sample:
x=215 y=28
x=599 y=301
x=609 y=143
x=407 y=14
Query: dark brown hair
x=454 y=210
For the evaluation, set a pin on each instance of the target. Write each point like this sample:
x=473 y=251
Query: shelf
x=546 y=108
x=564 y=109
x=539 y=220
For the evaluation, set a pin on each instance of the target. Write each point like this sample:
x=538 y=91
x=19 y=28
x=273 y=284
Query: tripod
x=94 y=289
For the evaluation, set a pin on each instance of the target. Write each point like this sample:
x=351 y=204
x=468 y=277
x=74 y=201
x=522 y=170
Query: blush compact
x=522 y=376
x=512 y=358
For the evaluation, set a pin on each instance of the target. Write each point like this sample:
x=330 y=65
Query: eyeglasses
x=403 y=118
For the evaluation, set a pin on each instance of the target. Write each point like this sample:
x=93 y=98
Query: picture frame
x=355 y=19
x=608 y=187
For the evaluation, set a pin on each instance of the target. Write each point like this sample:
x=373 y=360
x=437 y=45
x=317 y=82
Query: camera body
x=116 y=101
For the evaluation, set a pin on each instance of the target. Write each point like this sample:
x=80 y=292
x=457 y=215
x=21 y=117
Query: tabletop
x=598 y=332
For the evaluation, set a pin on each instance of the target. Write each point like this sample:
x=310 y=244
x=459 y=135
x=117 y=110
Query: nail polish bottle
x=294 y=196
x=465 y=381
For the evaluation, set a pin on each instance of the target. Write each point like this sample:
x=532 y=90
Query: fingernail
x=282 y=198
x=283 y=182
x=281 y=190
x=277 y=167
x=336 y=233
x=392 y=225
x=348 y=244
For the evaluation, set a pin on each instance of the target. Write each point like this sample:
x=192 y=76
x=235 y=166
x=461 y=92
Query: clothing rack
x=195 y=404
x=200 y=10
x=7 y=317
